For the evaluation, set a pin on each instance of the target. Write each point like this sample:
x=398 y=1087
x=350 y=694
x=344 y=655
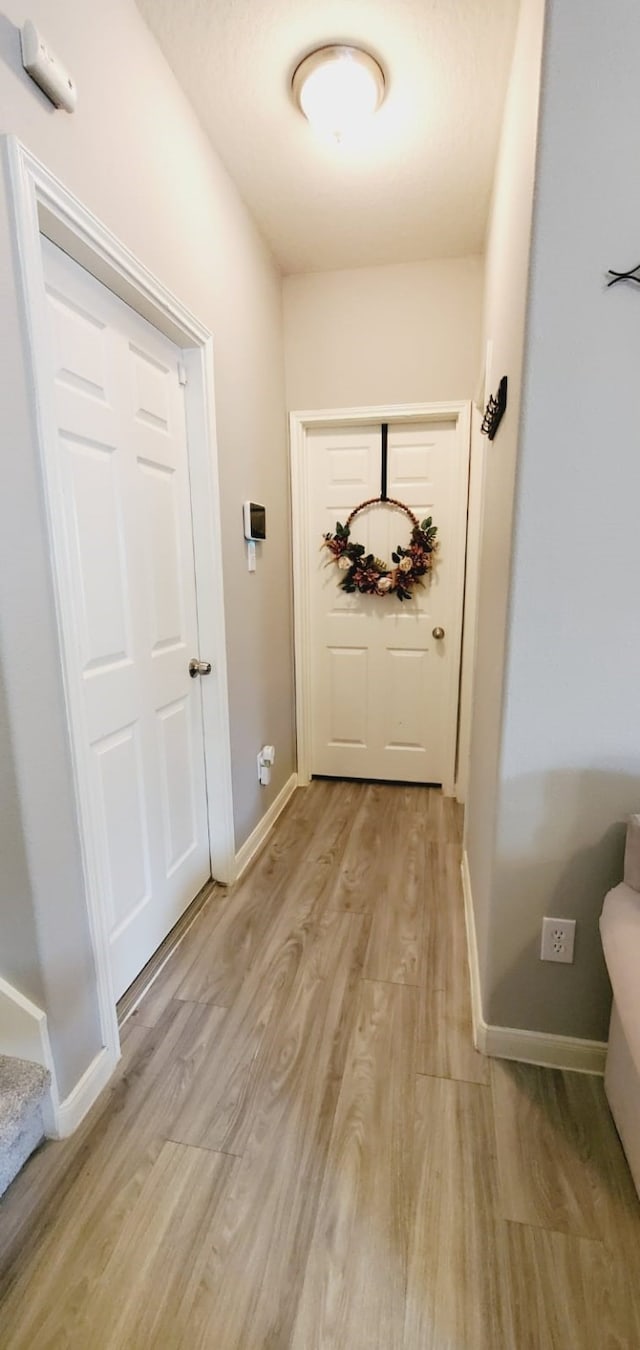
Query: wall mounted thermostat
x=255 y=521
x=45 y=68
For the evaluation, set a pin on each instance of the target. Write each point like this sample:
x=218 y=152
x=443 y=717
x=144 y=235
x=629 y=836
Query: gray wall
x=565 y=744
x=505 y=303
x=570 y=762
x=17 y=921
x=403 y=334
x=136 y=155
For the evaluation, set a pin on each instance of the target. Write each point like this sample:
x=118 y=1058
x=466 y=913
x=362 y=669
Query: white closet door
x=124 y=477
x=384 y=689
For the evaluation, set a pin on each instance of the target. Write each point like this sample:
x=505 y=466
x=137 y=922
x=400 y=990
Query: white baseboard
x=472 y=953
x=539 y=1047
x=258 y=837
x=529 y=1047
x=24 y=1034
x=74 y=1108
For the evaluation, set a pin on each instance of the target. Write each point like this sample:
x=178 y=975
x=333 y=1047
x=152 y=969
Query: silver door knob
x=438 y=633
x=199 y=668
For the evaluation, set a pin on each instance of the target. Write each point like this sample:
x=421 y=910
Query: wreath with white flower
x=364 y=572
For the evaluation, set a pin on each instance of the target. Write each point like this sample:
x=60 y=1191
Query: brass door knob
x=438 y=633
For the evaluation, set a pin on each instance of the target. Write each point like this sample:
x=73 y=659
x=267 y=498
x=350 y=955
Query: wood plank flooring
x=302 y=1150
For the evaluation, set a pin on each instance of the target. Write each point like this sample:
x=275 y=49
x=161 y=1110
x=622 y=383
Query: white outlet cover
x=558 y=940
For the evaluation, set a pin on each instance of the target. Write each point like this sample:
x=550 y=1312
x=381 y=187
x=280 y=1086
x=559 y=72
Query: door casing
x=41 y=205
x=299 y=424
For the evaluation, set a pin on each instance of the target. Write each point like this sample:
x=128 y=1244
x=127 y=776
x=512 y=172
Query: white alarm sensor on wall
x=45 y=68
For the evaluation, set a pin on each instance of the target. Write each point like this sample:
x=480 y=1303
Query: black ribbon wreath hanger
x=384 y=461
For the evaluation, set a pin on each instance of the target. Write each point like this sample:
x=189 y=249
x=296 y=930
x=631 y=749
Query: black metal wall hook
x=495 y=410
x=624 y=276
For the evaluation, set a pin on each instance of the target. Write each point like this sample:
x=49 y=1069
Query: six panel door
x=123 y=466
x=381 y=704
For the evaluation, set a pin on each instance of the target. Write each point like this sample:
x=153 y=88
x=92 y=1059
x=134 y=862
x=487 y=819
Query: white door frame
x=41 y=205
x=299 y=424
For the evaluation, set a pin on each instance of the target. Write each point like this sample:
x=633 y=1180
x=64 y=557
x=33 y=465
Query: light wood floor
x=302 y=1149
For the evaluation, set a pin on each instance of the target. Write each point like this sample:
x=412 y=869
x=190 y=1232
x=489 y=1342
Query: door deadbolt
x=199 y=668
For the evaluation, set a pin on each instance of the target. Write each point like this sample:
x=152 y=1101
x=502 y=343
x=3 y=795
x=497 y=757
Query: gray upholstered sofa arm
x=632 y=854
x=620 y=929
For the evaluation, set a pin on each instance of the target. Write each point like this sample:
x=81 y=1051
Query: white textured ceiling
x=417 y=187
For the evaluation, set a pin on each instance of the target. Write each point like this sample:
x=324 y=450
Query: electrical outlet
x=558 y=939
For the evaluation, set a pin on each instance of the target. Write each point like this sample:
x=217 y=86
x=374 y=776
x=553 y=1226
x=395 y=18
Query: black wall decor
x=495 y=410
x=624 y=276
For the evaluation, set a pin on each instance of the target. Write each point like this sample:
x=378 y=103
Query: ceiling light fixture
x=338 y=88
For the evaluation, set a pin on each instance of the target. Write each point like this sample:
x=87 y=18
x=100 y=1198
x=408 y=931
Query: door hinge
x=182 y=373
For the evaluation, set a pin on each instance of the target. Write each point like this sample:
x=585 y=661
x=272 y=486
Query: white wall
x=505 y=301
x=570 y=759
x=408 y=333
x=136 y=155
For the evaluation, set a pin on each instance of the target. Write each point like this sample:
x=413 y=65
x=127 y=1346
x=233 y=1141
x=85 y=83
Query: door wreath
x=372 y=576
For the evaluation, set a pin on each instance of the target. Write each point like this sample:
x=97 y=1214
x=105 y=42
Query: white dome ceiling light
x=338 y=88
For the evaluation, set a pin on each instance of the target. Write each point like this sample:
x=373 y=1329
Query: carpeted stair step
x=23 y=1088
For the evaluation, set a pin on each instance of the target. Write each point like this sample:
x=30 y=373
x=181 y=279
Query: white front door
x=384 y=689
x=122 y=467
